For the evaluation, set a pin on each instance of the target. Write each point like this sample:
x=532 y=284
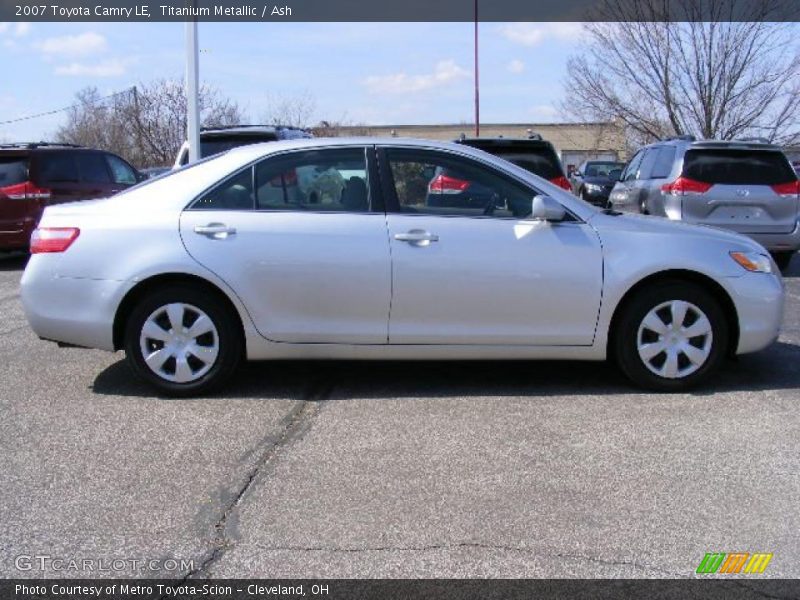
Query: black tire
x=782 y=259
x=625 y=337
x=229 y=339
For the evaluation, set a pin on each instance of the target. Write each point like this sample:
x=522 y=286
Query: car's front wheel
x=670 y=337
x=183 y=340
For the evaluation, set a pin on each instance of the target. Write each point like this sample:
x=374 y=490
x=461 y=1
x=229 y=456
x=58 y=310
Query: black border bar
x=145 y=11
x=734 y=588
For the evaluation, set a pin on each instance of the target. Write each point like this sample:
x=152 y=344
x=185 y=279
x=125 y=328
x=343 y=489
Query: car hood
x=661 y=226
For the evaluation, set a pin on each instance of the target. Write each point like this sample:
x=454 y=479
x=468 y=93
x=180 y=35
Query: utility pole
x=192 y=91
x=477 y=81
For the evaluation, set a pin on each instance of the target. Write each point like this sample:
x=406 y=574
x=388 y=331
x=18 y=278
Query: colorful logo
x=734 y=562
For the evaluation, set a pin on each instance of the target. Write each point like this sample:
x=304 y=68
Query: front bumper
x=597 y=197
x=759 y=300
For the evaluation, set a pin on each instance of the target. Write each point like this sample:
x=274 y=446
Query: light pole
x=477 y=84
x=192 y=90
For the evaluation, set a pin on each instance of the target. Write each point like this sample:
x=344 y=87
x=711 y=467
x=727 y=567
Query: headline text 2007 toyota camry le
x=344 y=248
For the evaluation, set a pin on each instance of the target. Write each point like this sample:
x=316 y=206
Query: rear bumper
x=779 y=242
x=759 y=299
x=73 y=311
x=18 y=237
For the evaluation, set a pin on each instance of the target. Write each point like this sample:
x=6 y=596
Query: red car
x=33 y=176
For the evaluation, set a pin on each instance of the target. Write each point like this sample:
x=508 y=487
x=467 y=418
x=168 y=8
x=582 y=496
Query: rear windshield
x=737 y=167
x=543 y=162
x=216 y=145
x=602 y=169
x=13 y=170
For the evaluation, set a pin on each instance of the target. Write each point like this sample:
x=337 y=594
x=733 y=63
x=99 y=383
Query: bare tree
x=724 y=71
x=291 y=110
x=147 y=125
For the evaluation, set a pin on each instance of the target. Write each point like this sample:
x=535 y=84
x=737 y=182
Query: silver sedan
x=365 y=249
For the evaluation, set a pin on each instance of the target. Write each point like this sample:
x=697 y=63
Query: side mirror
x=544 y=208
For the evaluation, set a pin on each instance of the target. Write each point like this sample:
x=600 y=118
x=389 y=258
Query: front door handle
x=418 y=237
x=217 y=231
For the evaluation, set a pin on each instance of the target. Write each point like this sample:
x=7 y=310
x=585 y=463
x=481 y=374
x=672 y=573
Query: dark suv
x=36 y=175
x=215 y=140
x=532 y=154
x=745 y=186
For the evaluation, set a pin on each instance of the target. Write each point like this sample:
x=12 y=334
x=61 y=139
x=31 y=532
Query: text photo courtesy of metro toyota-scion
x=357 y=300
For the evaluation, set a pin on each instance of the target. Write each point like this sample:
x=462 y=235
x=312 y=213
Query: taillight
x=442 y=184
x=562 y=182
x=53 y=239
x=790 y=189
x=683 y=186
x=25 y=191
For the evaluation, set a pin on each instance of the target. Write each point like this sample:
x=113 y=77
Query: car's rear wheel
x=671 y=337
x=782 y=259
x=183 y=340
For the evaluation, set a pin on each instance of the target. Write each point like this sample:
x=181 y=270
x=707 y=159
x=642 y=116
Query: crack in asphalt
x=480 y=545
x=295 y=423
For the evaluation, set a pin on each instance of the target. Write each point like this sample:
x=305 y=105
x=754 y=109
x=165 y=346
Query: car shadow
x=778 y=367
x=13 y=261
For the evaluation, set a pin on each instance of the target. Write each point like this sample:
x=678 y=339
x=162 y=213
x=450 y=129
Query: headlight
x=593 y=187
x=753 y=261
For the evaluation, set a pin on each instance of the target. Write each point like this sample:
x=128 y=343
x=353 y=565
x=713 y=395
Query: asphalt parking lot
x=344 y=469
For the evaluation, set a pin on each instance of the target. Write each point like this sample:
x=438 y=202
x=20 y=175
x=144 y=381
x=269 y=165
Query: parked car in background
x=533 y=154
x=743 y=186
x=218 y=262
x=220 y=139
x=593 y=181
x=796 y=166
x=36 y=175
x=152 y=172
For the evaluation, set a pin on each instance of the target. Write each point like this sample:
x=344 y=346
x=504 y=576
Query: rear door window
x=663 y=164
x=59 y=167
x=93 y=168
x=13 y=170
x=332 y=180
x=737 y=167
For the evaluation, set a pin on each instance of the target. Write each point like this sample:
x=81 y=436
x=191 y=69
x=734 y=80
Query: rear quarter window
x=13 y=170
x=737 y=167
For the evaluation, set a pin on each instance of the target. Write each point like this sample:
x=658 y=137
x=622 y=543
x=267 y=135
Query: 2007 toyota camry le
x=403 y=249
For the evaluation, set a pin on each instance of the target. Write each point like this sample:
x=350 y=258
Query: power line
x=58 y=110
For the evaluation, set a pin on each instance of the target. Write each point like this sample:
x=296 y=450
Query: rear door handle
x=218 y=231
x=416 y=236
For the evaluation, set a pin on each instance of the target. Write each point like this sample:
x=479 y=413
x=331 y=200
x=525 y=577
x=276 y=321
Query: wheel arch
x=681 y=276
x=144 y=287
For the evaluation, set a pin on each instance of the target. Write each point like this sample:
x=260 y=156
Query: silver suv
x=747 y=187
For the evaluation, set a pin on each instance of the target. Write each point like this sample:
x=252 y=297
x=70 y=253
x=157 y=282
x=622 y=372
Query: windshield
x=602 y=169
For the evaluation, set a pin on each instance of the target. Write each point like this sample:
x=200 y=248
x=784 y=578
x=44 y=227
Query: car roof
x=502 y=141
x=17 y=146
x=245 y=130
x=257 y=150
x=692 y=144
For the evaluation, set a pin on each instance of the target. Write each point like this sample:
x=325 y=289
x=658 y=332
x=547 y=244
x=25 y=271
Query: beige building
x=574 y=142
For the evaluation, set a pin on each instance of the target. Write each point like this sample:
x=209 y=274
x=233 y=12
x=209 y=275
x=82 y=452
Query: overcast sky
x=384 y=73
